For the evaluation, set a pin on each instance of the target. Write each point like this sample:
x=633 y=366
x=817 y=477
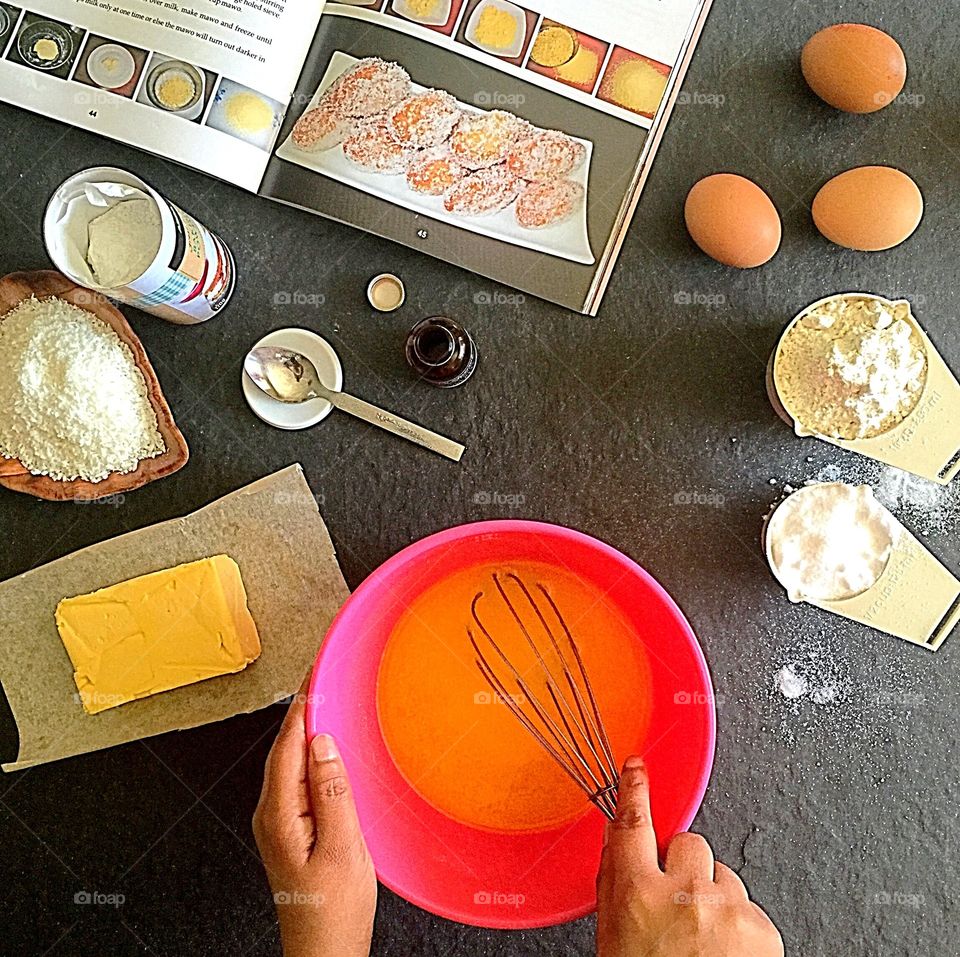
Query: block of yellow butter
x=157 y=632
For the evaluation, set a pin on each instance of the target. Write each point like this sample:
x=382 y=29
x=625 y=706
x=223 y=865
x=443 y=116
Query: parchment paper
x=272 y=529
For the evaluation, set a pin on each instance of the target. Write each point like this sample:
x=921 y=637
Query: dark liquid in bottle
x=441 y=352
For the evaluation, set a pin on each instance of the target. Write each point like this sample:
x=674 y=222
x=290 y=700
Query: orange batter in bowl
x=462 y=749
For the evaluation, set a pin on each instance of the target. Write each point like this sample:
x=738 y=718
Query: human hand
x=693 y=907
x=317 y=862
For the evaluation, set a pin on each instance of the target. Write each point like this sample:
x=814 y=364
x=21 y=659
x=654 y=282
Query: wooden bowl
x=45 y=284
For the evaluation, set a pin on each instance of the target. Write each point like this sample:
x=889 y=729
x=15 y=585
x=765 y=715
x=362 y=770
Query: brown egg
x=868 y=208
x=733 y=220
x=854 y=67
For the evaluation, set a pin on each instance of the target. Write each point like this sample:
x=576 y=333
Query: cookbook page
x=615 y=56
x=503 y=138
x=202 y=82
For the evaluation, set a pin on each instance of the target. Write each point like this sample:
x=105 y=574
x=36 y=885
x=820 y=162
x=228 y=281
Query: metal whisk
x=556 y=703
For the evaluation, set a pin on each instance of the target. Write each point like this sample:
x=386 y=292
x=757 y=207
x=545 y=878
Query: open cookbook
x=512 y=139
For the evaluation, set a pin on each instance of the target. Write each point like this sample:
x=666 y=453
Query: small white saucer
x=296 y=415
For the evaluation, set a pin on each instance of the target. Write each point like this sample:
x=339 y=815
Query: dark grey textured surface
x=841 y=817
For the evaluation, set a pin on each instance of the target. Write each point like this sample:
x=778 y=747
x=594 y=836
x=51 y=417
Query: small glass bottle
x=441 y=352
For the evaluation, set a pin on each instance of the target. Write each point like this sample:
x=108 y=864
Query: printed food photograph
x=176 y=87
x=110 y=66
x=569 y=56
x=50 y=46
x=479 y=478
x=498 y=27
x=440 y=16
x=488 y=171
x=8 y=18
x=244 y=113
x=634 y=82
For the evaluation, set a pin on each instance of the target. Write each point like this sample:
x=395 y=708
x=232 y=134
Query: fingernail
x=324 y=748
x=634 y=762
x=606 y=834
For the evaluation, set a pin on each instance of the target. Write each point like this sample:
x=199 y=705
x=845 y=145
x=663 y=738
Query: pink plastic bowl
x=508 y=881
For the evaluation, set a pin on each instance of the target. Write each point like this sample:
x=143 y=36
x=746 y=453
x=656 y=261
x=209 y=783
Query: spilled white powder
x=819 y=676
x=926 y=508
x=73 y=403
x=830 y=542
x=789 y=683
x=859 y=694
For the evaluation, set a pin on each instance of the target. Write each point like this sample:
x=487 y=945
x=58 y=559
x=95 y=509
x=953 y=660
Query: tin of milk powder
x=181 y=271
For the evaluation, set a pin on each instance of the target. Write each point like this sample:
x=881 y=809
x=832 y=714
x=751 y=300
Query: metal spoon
x=291 y=377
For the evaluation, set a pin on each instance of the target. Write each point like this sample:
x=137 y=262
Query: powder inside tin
x=123 y=241
x=852 y=368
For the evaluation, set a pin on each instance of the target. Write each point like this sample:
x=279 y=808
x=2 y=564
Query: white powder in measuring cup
x=830 y=542
x=123 y=241
x=852 y=367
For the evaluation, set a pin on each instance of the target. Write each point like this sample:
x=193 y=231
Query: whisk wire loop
x=570 y=727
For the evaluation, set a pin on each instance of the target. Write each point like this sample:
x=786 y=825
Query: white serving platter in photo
x=565 y=240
